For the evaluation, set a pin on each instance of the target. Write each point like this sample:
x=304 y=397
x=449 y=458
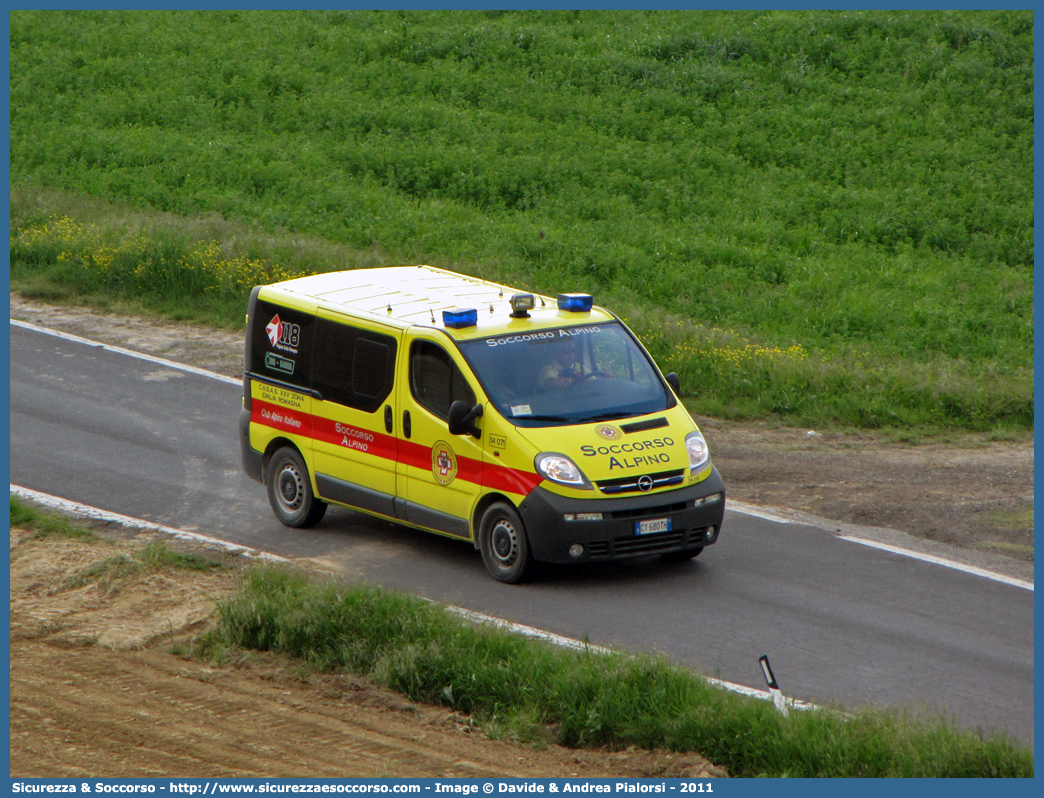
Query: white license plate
x=653 y=526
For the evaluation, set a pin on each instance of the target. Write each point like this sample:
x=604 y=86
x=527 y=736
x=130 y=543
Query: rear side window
x=353 y=367
x=435 y=380
x=281 y=343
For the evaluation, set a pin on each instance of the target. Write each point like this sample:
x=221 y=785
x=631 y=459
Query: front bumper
x=615 y=537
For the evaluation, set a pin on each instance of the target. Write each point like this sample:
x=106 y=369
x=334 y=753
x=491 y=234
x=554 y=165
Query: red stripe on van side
x=419 y=456
x=495 y=477
x=352 y=437
x=413 y=454
x=281 y=418
x=510 y=480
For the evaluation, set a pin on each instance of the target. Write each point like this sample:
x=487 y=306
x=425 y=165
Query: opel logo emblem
x=645 y=483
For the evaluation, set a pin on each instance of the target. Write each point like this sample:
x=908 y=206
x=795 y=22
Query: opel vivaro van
x=535 y=428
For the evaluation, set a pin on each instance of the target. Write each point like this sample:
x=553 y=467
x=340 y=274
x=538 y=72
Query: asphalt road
x=842 y=623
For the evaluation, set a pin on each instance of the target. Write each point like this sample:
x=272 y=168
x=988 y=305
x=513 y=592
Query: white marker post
x=770 y=679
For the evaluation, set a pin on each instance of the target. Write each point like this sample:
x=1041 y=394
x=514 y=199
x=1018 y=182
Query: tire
x=504 y=544
x=290 y=490
x=682 y=556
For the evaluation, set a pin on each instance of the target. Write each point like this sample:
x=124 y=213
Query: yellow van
x=536 y=428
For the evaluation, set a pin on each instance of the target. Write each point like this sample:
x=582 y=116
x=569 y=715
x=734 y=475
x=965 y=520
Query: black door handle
x=387 y=419
x=407 y=428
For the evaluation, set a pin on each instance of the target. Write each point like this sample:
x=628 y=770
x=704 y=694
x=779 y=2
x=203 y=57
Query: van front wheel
x=290 y=490
x=504 y=545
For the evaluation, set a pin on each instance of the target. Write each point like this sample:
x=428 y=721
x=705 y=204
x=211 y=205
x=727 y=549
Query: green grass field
x=819 y=217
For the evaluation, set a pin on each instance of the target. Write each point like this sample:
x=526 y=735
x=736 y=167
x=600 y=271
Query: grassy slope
x=833 y=209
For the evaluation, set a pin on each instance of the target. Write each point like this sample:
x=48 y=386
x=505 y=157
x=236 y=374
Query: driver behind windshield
x=563 y=369
x=596 y=372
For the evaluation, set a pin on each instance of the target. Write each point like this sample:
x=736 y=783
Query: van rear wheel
x=290 y=490
x=504 y=545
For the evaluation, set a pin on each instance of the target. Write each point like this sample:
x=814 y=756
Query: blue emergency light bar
x=460 y=317
x=575 y=303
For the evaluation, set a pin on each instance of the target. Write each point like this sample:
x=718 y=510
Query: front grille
x=648 y=544
x=598 y=550
x=639 y=545
x=648 y=512
x=630 y=484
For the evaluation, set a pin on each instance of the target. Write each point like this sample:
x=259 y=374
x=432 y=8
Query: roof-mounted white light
x=521 y=304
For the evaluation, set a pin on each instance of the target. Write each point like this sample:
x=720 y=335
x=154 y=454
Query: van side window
x=372 y=368
x=435 y=380
x=353 y=367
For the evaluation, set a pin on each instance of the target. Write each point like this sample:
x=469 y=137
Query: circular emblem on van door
x=609 y=432
x=443 y=463
x=645 y=483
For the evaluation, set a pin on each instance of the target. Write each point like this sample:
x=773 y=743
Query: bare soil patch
x=95 y=692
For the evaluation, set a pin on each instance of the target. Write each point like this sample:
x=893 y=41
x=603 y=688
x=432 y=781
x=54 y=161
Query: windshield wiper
x=608 y=416
x=544 y=418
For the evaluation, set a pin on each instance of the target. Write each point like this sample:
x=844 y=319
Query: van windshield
x=567 y=375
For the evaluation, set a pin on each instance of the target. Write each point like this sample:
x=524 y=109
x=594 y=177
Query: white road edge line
x=94 y=513
x=578 y=645
x=755 y=511
x=129 y=352
x=957 y=566
x=752 y=509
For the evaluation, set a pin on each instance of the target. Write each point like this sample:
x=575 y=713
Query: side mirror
x=674 y=382
x=462 y=419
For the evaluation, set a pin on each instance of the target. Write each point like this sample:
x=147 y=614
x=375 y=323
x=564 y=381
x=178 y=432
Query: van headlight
x=699 y=454
x=559 y=468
